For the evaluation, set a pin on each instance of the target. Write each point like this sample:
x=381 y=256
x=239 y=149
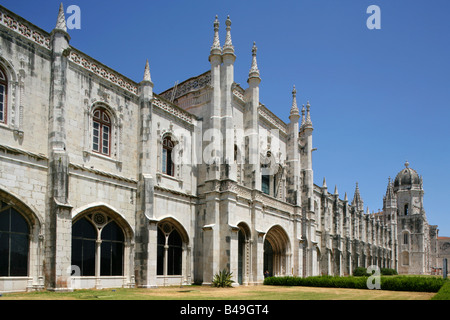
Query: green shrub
x=388 y=272
x=444 y=292
x=396 y=283
x=223 y=279
x=360 y=272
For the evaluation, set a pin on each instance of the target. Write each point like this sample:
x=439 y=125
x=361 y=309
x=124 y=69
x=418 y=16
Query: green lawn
x=209 y=293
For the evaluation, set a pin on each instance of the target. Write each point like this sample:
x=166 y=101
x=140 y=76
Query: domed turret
x=407 y=178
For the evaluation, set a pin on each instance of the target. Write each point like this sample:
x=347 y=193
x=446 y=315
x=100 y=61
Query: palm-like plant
x=223 y=279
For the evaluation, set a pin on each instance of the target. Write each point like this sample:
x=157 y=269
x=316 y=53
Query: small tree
x=223 y=279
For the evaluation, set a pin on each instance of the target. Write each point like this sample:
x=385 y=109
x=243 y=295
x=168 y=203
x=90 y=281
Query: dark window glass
x=167 y=165
x=265 y=184
x=175 y=254
x=160 y=252
x=112 y=250
x=84 y=237
x=14 y=243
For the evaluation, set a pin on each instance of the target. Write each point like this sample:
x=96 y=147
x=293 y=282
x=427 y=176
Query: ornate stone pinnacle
x=228 y=46
x=294 y=109
x=303 y=115
x=254 y=71
x=308 y=122
x=147 y=76
x=406 y=164
x=61 y=22
x=215 y=48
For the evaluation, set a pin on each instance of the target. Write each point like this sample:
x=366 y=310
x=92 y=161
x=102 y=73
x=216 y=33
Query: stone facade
x=123 y=187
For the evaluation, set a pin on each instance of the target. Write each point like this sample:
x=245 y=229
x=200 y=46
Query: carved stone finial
x=228 y=46
x=61 y=22
x=307 y=123
x=254 y=71
x=147 y=76
x=294 y=108
x=215 y=48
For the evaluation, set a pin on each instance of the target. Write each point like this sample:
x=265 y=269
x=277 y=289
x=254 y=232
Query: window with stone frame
x=405 y=238
x=167 y=152
x=169 y=251
x=3 y=96
x=90 y=231
x=102 y=133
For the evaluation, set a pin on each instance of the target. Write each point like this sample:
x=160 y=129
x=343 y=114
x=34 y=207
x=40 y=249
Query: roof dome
x=407 y=177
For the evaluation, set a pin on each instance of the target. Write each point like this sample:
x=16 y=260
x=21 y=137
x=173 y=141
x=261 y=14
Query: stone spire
x=303 y=116
x=336 y=190
x=324 y=185
x=357 y=200
x=147 y=76
x=215 y=48
x=254 y=71
x=228 y=46
x=294 y=109
x=61 y=22
x=307 y=123
x=390 y=190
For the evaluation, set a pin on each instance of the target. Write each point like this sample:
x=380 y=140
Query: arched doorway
x=277 y=252
x=243 y=253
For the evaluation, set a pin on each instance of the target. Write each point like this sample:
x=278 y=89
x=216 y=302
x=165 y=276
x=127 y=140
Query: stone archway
x=277 y=252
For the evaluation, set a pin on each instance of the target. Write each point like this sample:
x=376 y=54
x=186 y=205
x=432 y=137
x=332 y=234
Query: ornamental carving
x=179 y=113
x=89 y=64
x=187 y=86
x=25 y=30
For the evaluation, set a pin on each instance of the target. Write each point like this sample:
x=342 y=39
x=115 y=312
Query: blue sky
x=378 y=97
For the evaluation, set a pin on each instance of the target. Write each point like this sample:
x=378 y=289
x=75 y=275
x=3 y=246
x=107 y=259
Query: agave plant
x=223 y=279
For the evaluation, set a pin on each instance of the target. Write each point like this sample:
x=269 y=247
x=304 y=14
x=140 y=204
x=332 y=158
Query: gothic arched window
x=167 y=163
x=14 y=242
x=3 y=96
x=169 y=260
x=101 y=142
x=85 y=249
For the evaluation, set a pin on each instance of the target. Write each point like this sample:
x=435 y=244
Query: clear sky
x=378 y=97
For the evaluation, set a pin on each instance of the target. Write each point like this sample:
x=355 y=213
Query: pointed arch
x=106 y=209
x=172 y=243
x=277 y=251
x=101 y=239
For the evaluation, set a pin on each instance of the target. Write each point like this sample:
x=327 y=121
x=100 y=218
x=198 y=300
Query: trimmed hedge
x=396 y=283
x=444 y=292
